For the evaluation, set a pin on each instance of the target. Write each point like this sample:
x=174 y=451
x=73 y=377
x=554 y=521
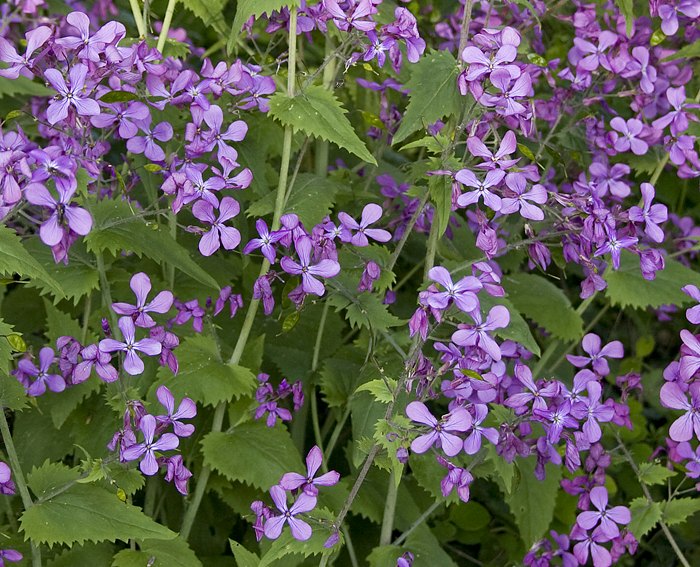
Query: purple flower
x=614 y=245
x=591 y=543
x=293 y=481
x=558 y=417
x=51 y=231
x=628 y=139
x=597 y=355
x=522 y=201
x=472 y=444
x=478 y=334
x=491 y=200
x=594 y=56
x=693 y=313
x=132 y=363
x=480 y=64
x=535 y=394
x=18 y=63
x=7 y=486
x=9 y=555
x=690 y=355
x=651 y=215
x=220 y=234
x=299 y=528
x=505 y=102
x=677 y=118
x=177 y=473
x=146 y=450
x=146 y=144
x=607 y=517
x=325 y=268
x=594 y=412
x=685 y=451
x=93 y=356
x=141 y=285
x=673 y=397
x=43 y=377
x=669 y=14
x=186 y=410
x=508 y=146
x=265 y=242
x=456 y=477
x=458 y=420
x=73 y=96
x=90 y=45
x=463 y=293
x=370 y=214
x=124 y=115
x=355 y=17
x=237 y=130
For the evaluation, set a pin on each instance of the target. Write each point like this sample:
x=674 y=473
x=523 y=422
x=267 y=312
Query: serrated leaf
x=651 y=474
x=312 y=199
x=252 y=453
x=78 y=556
x=158 y=553
x=210 y=12
x=340 y=375
x=286 y=545
x=15 y=259
x=317 y=112
x=244 y=558
x=50 y=476
x=247 y=8
x=59 y=324
x=540 y=300
x=533 y=502
x=24 y=87
x=433 y=93
x=645 y=515
x=679 y=510
x=517 y=330
x=117 y=229
x=382 y=391
x=627 y=287
x=88 y=513
x=203 y=376
x=365 y=310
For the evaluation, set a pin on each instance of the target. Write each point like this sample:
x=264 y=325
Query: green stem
x=389 y=510
x=19 y=477
x=433 y=239
x=138 y=19
x=423 y=517
x=86 y=317
x=336 y=433
x=105 y=290
x=172 y=224
x=166 y=25
x=220 y=412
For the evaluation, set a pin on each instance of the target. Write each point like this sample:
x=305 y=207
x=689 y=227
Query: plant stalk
x=138 y=19
x=162 y=38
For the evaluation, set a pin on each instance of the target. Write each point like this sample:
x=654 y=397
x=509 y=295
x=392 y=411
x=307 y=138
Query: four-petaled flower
x=70 y=96
x=605 y=518
x=370 y=214
x=186 y=410
x=458 y=420
x=292 y=480
x=146 y=450
x=673 y=397
x=325 y=268
x=141 y=285
x=463 y=293
x=299 y=528
x=132 y=363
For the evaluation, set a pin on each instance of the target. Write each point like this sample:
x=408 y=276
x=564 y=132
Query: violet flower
x=90 y=45
x=472 y=444
x=480 y=64
x=493 y=179
x=685 y=451
x=605 y=518
x=522 y=201
x=51 y=230
x=220 y=234
x=141 y=286
x=535 y=394
x=147 y=144
x=594 y=412
x=478 y=334
x=73 y=96
x=356 y=16
x=177 y=473
x=458 y=420
x=7 y=485
x=593 y=55
x=597 y=356
x=370 y=214
x=325 y=268
x=669 y=14
x=10 y=555
x=125 y=115
x=36 y=38
x=651 y=215
x=299 y=528
x=265 y=242
x=673 y=397
x=146 y=450
x=677 y=118
x=94 y=357
x=314 y=459
x=132 y=363
x=43 y=377
x=186 y=410
x=508 y=146
x=505 y=102
x=693 y=313
x=614 y=246
x=463 y=293
x=628 y=139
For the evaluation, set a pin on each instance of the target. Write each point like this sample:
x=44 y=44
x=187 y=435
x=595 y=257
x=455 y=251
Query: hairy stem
x=220 y=412
x=166 y=25
x=19 y=478
x=138 y=19
x=392 y=493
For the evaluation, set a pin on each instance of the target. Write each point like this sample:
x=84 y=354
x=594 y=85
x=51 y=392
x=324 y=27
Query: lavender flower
x=141 y=286
x=132 y=363
x=70 y=96
x=650 y=215
x=673 y=397
x=186 y=410
x=314 y=459
x=370 y=214
x=51 y=231
x=43 y=376
x=146 y=451
x=458 y=420
x=605 y=518
x=597 y=356
x=220 y=234
x=324 y=268
x=299 y=528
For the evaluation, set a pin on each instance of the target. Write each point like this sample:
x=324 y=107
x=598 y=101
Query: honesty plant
x=441 y=252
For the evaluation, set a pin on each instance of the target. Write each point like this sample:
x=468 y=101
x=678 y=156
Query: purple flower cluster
x=269 y=399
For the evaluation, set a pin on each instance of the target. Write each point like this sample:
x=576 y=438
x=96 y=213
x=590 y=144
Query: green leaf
x=365 y=310
x=385 y=555
x=59 y=323
x=433 y=93
x=645 y=515
x=317 y=112
x=203 y=376
x=517 y=330
x=244 y=558
x=340 y=375
x=118 y=96
x=651 y=474
x=312 y=199
x=427 y=549
x=247 y=8
x=158 y=553
x=532 y=502
x=540 y=300
x=626 y=8
x=252 y=453
x=50 y=476
x=690 y=50
x=381 y=391
x=441 y=196
x=12 y=393
x=24 y=87
x=627 y=287
x=78 y=556
x=117 y=229
x=210 y=12
x=88 y=513
x=286 y=545
x=15 y=259
x=679 y=510
x=503 y=471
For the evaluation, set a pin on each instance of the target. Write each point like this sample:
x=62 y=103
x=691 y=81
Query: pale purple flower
x=611 y=178
x=677 y=118
x=10 y=555
x=370 y=214
x=628 y=135
x=458 y=420
x=594 y=412
x=355 y=17
x=462 y=294
x=478 y=334
x=558 y=418
x=597 y=356
x=685 y=451
x=314 y=459
x=70 y=96
x=42 y=375
x=493 y=179
x=492 y=160
x=522 y=201
x=480 y=64
x=650 y=214
x=456 y=477
x=7 y=485
x=614 y=245
x=177 y=473
x=673 y=397
x=132 y=363
x=505 y=102
x=125 y=115
x=186 y=410
x=51 y=231
x=36 y=38
x=90 y=45
x=593 y=55
x=472 y=444
x=640 y=64
x=606 y=518
x=237 y=130
x=534 y=393
x=141 y=286
x=299 y=528
x=693 y=313
x=220 y=234
x=590 y=542
x=147 y=144
x=93 y=356
x=324 y=268
x=669 y=14
x=146 y=450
